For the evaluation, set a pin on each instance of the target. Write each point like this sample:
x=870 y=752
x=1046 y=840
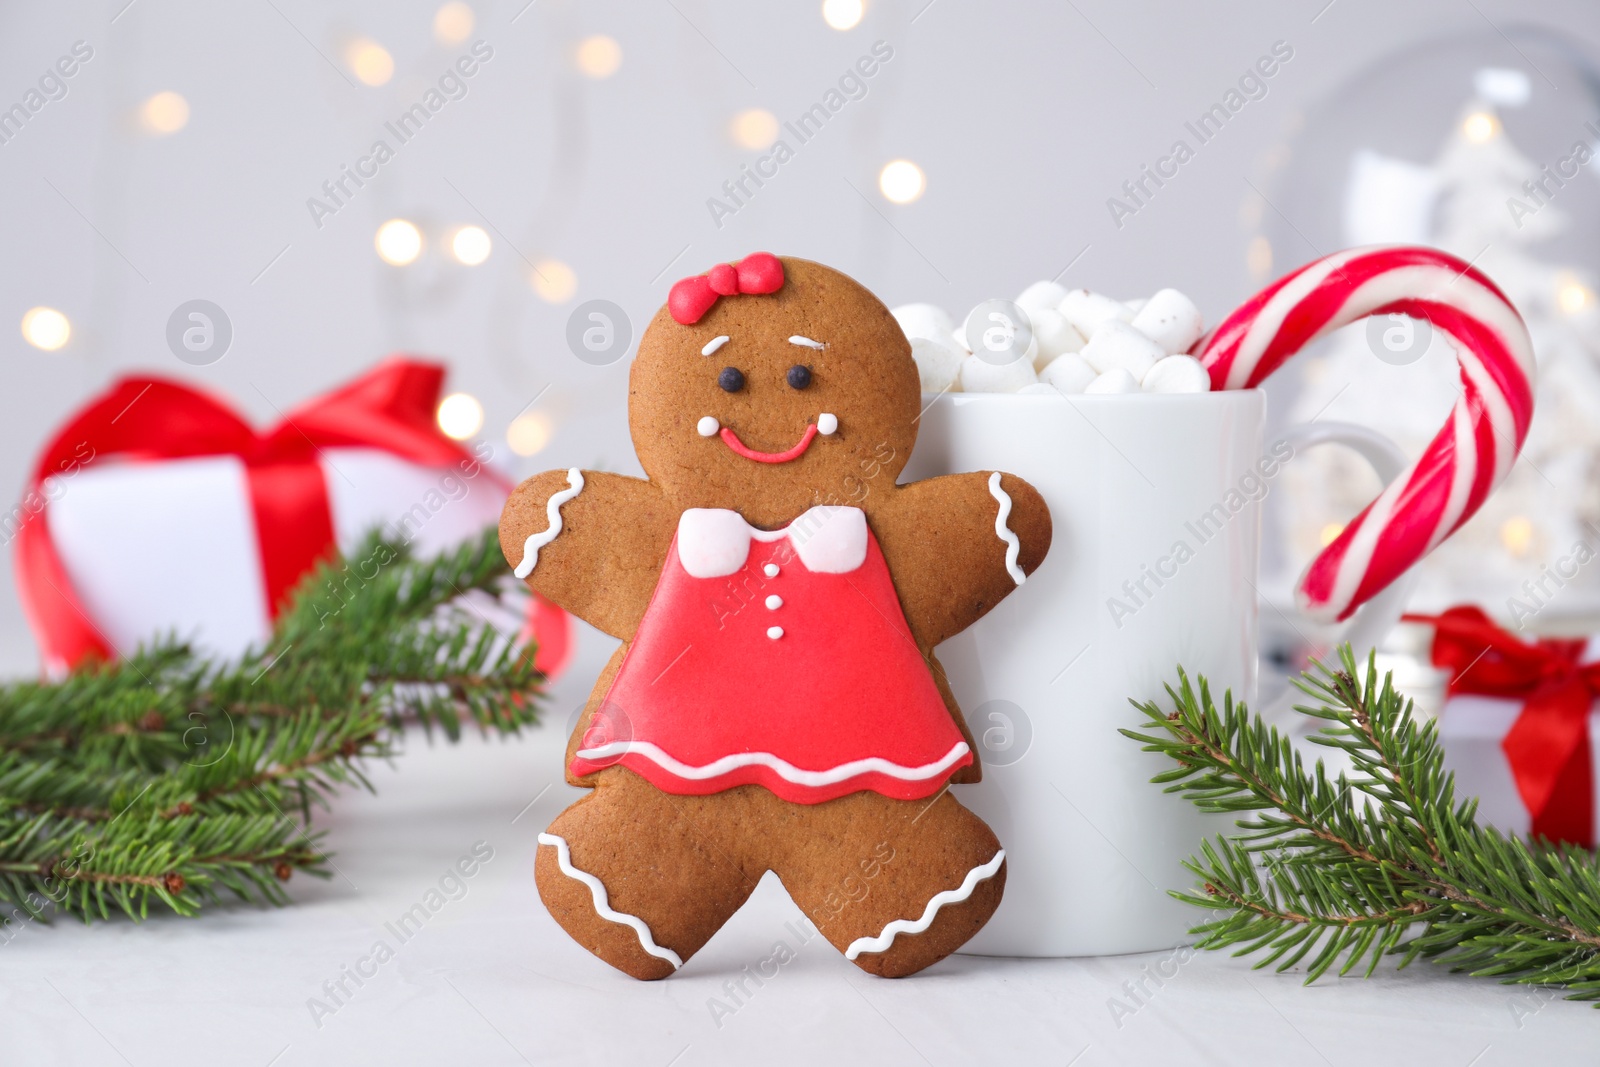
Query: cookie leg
x=896 y=885
x=637 y=876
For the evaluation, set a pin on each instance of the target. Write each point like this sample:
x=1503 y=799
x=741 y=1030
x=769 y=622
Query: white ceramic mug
x=1155 y=501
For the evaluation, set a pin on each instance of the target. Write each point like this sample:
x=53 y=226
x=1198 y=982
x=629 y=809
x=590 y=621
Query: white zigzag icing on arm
x=906 y=926
x=602 y=904
x=784 y=769
x=1013 y=546
x=552 y=510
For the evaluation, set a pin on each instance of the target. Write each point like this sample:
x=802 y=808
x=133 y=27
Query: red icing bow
x=1548 y=745
x=691 y=298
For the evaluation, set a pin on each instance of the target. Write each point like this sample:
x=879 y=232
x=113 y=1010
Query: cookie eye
x=799 y=376
x=731 y=379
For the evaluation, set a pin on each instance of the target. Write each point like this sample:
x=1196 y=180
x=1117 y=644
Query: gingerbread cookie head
x=769 y=386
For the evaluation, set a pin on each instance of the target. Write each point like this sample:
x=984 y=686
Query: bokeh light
x=901 y=181
x=843 y=14
x=528 y=433
x=599 y=56
x=754 y=128
x=164 y=113
x=460 y=415
x=370 y=61
x=398 y=242
x=471 y=245
x=554 y=281
x=46 y=328
x=1480 y=126
x=452 y=23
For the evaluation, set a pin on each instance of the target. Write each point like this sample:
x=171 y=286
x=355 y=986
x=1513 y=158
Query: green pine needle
x=175 y=779
x=1382 y=861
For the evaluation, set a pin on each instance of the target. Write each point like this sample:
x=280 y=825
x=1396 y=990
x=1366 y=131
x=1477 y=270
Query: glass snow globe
x=1486 y=146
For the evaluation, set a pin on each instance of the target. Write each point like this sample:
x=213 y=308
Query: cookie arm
x=958 y=544
x=592 y=542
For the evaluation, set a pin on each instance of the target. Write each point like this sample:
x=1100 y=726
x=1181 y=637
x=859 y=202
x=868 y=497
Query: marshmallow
x=1085 y=310
x=1116 y=344
x=1038 y=389
x=1053 y=336
x=1041 y=296
x=958 y=337
x=1177 y=374
x=938 y=363
x=1116 y=380
x=980 y=376
x=1171 y=320
x=923 y=320
x=1136 y=306
x=1069 y=373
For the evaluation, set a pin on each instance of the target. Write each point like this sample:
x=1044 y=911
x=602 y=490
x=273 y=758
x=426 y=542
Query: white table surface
x=491 y=980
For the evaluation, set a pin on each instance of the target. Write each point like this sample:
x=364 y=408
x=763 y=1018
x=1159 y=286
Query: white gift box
x=170 y=546
x=1472 y=729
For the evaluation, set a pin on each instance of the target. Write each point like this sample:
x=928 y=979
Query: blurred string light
x=1480 y=126
x=460 y=415
x=46 y=328
x=754 y=128
x=1572 y=296
x=599 y=56
x=1258 y=258
x=452 y=23
x=901 y=181
x=471 y=245
x=1330 y=533
x=528 y=433
x=843 y=14
x=1516 y=533
x=554 y=281
x=371 y=62
x=398 y=242
x=164 y=113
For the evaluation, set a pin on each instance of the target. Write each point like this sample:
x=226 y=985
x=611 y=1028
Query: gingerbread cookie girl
x=775 y=704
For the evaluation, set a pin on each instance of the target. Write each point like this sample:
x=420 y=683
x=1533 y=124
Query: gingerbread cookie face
x=770 y=403
x=775 y=703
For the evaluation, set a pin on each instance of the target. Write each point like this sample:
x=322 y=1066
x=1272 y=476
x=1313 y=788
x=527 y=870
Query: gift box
x=1520 y=725
x=158 y=510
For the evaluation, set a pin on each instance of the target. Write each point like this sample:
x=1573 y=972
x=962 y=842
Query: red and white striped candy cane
x=1471 y=454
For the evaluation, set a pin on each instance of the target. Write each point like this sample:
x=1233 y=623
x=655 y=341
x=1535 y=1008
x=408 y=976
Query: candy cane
x=1473 y=451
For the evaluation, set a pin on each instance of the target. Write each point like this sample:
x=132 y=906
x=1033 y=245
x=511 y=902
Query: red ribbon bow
x=1548 y=745
x=691 y=298
x=391 y=408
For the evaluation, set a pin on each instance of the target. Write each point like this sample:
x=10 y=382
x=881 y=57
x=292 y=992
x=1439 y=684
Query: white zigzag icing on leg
x=907 y=926
x=602 y=904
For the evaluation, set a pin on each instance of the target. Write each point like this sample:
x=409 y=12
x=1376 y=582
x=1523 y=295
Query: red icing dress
x=780 y=659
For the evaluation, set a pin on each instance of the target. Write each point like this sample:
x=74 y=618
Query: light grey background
x=1025 y=118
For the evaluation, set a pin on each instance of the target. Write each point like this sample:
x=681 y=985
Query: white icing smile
x=806 y=342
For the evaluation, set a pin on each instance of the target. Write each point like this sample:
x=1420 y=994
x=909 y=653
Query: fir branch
x=177 y=779
x=1381 y=861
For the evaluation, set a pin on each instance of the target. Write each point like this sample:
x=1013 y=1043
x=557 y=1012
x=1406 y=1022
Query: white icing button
x=708 y=426
x=770 y=570
x=774 y=602
x=774 y=632
x=827 y=423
